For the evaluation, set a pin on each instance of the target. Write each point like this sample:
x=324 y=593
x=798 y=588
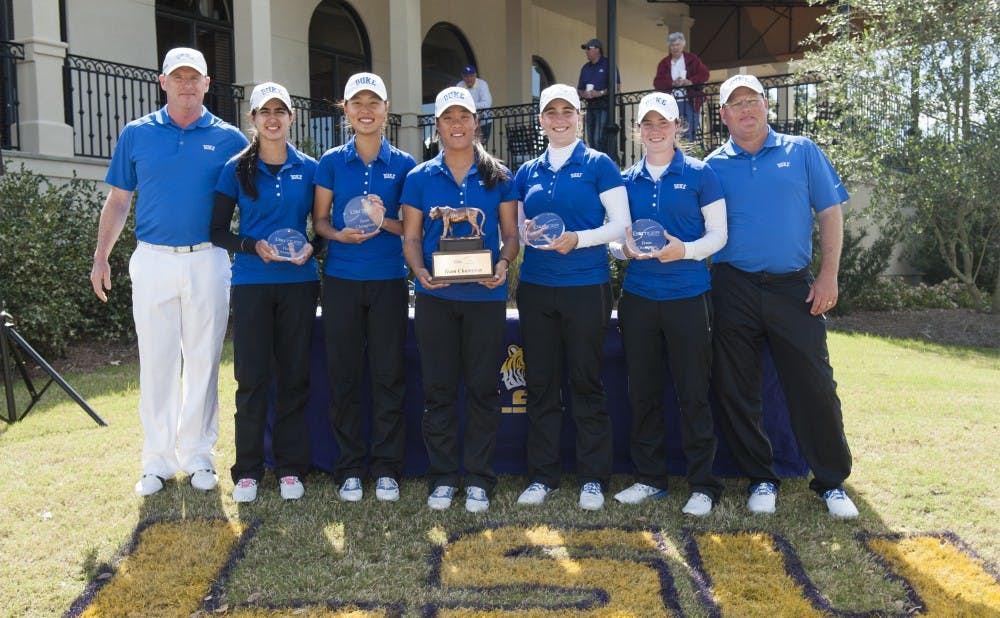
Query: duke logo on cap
x=365 y=81
x=662 y=104
x=738 y=81
x=267 y=91
x=184 y=57
x=559 y=91
x=453 y=96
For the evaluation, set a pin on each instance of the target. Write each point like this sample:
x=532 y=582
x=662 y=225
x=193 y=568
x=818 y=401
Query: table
x=510 y=451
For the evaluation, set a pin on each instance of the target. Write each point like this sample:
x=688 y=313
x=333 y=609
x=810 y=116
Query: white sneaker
x=291 y=488
x=839 y=504
x=440 y=498
x=148 y=485
x=762 y=498
x=476 y=500
x=245 y=490
x=591 y=497
x=535 y=494
x=351 y=490
x=697 y=505
x=639 y=493
x=387 y=489
x=205 y=480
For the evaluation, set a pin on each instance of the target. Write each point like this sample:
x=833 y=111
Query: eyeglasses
x=746 y=103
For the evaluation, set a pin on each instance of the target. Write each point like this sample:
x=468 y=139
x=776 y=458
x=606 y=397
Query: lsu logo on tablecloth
x=512 y=376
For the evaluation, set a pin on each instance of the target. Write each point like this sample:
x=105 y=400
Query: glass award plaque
x=647 y=236
x=543 y=230
x=287 y=243
x=363 y=214
x=460 y=259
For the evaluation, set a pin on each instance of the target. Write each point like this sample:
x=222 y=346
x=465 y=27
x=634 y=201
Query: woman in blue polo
x=564 y=298
x=273 y=300
x=665 y=312
x=460 y=326
x=365 y=296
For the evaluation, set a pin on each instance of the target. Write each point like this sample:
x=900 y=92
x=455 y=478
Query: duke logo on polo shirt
x=680 y=186
x=389 y=176
x=209 y=147
x=296 y=176
x=784 y=164
x=576 y=175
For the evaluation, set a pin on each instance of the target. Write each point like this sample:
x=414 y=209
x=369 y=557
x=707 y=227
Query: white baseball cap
x=365 y=81
x=738 y=81
x=453 y=96
x=267 y=91
x=662 y=104
x=559 y=91
x=184 y=57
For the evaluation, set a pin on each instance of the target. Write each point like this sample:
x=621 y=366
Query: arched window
x=338 y=48
x=206 y=25
x=445 y=51
x=541 y=76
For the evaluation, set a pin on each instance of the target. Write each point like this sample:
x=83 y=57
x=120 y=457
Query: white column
x=518 y=55
x=40 y=79
x=406 y=73
x=252 y=39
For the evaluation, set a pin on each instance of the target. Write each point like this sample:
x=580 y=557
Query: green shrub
x=893 y=294
x=47 y=235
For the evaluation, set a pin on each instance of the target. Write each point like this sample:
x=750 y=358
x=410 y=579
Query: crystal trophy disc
x=460 y=259
x=647 y=236
x=543 y=230
x=288 y=243
x=363 y=214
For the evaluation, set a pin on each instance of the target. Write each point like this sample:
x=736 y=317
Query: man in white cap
x=763 y=292
x=180 y=281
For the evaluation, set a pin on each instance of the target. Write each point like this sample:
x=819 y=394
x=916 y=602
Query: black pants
x=678 y=334
x=571 y=321
x=272 y=334
x=751 y=308
x=460 y=339
x=356 y=315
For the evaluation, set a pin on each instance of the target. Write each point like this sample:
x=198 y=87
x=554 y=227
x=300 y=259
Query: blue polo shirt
x=174 y=170
x=342 y=171
x=431 y=184
x=574 y=193
x=596 y=73
x=675 y=201
x=771 y=197
x=284 y=201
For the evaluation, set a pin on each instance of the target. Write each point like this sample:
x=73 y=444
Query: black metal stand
x=12 y=350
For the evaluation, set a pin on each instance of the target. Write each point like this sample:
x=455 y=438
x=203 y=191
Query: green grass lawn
x=923 y=423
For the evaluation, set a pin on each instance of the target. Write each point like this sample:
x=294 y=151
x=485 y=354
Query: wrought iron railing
x=102 y=97
x=10 y=127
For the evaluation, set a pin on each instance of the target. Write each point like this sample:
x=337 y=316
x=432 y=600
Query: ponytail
x=490 y=168
x=246 y=167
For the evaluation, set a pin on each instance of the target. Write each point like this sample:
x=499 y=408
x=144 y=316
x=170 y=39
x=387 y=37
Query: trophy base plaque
x=461 y=260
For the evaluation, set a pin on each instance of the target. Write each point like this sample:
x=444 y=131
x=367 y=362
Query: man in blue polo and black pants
x=593 y=88
x=763 y=292
x=180 y=281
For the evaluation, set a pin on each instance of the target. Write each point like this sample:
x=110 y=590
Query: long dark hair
x=246 y=167
x=490 y=169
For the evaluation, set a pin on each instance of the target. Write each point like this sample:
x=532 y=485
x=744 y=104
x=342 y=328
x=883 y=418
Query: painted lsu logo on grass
x=512 y=376
x=593 y=572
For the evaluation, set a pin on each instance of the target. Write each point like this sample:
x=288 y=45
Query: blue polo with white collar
x=574 y=193
x=675 y=201
x=174 y=170
x=771 y=197
x=431 y=184
x=284 y=201
x=342 y=171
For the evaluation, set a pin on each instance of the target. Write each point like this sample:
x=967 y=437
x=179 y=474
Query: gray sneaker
x=591 y=496
x=205 y=480
x=440 y=498
x=762 y=498
x=387 y=489
x=351 y=490
x=535 y=494
x=476 y=500
x=698 y=505
x=245 y=490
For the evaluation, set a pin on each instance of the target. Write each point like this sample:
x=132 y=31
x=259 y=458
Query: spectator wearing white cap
x=664 y=313
x=564 y=298
x=776 y=186
x=180 y=281
x=273 y=295
x=480 y=92
x=365 y=296
x=460 y=326
x=683 y=74
x=592 y=87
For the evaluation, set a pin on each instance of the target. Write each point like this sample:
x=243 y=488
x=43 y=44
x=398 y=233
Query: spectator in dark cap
x=683 y=74
x=480 y=92
x=593 y=88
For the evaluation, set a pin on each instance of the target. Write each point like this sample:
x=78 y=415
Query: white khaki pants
x=180 y=304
